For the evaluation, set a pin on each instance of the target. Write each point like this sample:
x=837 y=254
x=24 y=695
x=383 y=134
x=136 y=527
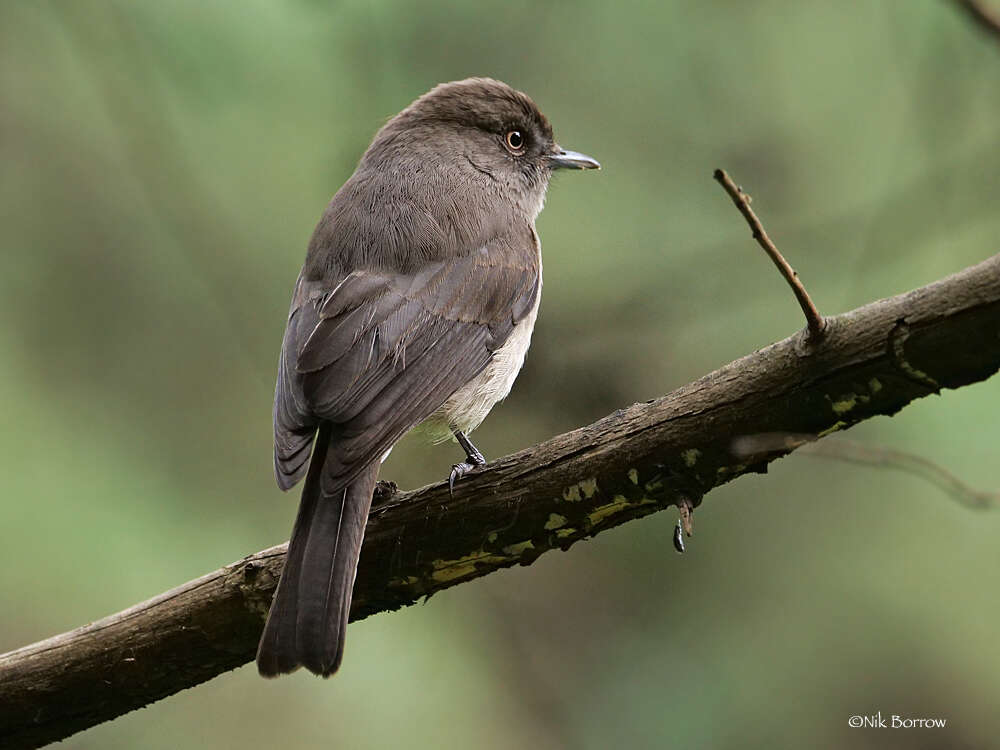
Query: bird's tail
x=308 y=617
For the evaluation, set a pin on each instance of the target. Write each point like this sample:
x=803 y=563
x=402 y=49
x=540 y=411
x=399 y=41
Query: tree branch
x=874 y=360
x=814 y=321
x=865 y=454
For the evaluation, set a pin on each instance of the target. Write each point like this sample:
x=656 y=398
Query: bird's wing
x=379 y=352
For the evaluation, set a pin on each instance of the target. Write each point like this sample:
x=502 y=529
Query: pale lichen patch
x=617 y=505
x=515 y=550
x=723 y=470
x=254 y=601
x=691 y=456
x=449 y=570
x=831 y=429
x=844 y=404
x=898 y=338
x=577 y=492
x=654 y=484
x=555 y=521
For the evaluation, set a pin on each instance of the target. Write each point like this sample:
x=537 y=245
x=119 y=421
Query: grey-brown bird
x=415 y=306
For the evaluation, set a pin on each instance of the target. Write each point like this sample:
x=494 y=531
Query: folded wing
x=376 y=353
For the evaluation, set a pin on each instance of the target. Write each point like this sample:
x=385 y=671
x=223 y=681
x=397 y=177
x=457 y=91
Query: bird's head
x=482 y=128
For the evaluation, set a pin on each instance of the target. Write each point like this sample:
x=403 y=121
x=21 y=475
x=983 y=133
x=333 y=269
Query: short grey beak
x=563 y=159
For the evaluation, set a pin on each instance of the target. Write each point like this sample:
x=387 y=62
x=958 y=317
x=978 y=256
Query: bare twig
x=988 y=18
x=671 y=451
x=855 y=452
x=814 y=321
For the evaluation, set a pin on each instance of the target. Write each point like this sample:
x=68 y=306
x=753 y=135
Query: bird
x=414 y=308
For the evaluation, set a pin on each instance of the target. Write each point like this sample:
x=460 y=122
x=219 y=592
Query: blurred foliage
x=161 y=168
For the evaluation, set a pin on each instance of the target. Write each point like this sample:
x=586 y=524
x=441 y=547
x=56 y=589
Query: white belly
x=468 y=406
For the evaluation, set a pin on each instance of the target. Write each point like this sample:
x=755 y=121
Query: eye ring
x=514 y=141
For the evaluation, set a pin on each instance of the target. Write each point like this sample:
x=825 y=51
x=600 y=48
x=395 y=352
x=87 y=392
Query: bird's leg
x=473 y=458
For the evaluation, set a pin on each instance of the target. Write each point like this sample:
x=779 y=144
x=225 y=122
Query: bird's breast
x=469 y=405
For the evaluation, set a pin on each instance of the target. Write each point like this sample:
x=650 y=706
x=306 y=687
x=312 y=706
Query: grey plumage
x=423 y=265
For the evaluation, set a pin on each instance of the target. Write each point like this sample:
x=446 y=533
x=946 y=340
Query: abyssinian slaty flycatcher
x=415 y=306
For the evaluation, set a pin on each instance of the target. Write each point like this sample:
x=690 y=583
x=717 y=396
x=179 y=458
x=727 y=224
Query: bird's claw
x=457 y=472
x=473 y=459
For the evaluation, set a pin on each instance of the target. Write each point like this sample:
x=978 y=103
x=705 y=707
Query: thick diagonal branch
x=874 y=360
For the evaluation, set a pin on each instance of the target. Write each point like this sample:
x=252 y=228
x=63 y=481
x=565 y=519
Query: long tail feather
x=308 y=618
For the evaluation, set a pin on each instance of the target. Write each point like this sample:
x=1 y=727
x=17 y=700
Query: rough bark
x=874 y=360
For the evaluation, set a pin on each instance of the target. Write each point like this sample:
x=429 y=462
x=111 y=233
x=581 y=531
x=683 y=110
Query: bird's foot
x=473 y=459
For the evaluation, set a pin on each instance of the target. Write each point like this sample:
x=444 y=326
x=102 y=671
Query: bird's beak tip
x=563 y=159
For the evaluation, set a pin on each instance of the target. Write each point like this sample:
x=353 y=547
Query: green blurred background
x=162 y=166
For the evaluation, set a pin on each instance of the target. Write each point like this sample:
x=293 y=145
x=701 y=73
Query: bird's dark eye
x=514 y=140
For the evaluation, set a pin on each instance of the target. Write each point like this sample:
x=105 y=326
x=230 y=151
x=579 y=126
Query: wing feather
x=377 y=352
